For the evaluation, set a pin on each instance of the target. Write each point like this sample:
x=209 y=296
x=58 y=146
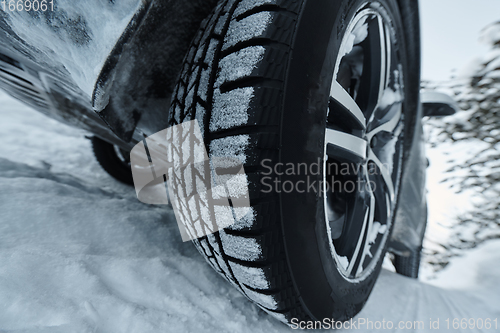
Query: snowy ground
x=79 y=253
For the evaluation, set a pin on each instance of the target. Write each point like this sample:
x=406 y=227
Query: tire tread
x=193 y=99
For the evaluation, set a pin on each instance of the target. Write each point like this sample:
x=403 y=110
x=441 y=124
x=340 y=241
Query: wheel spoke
x=386 y=175
x=348 y=143
x=366 y=245
x=382 y=46
x=374 y=79
x=388 y=57
x=341 y=98
x=383 y=59
x=388 y=126
x=357 y=251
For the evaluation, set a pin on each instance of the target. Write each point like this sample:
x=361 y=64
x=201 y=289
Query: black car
x=302 y=92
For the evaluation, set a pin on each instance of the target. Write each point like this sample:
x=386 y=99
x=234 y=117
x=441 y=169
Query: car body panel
x=71 y=41
x=116 y=60
x=411 y=215
x=51 y=60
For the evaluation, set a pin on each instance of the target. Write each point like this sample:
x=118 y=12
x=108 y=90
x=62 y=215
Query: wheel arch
x=133 y=91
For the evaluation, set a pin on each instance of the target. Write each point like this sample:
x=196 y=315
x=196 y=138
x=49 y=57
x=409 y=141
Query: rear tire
x=113 y=160
x=258 y=79
x=408 y=266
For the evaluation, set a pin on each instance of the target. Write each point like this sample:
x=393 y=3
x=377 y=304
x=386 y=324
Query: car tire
x=115 y=161
x=408 y=265
x=259 y=80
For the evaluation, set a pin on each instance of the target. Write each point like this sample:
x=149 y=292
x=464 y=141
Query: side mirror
x=437 y=104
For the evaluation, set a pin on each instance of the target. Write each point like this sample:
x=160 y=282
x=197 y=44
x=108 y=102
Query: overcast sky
x=450 y=32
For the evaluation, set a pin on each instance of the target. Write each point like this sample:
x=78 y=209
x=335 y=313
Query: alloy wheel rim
x=363 y=143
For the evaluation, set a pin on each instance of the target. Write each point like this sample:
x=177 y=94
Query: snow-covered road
x=79 y=253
